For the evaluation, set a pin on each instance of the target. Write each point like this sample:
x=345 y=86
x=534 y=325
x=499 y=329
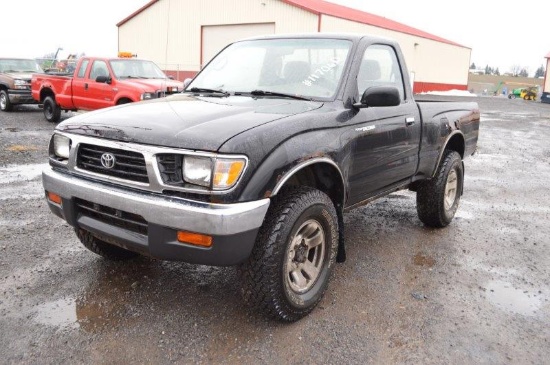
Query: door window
x=99 y=68
x=380 y=67
x=82 y=70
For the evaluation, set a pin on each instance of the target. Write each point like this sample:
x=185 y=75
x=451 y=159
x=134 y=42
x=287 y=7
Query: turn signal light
x=194 y=239
x=54 y=198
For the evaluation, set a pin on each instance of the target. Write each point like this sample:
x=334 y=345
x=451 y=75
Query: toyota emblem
x=108 y=160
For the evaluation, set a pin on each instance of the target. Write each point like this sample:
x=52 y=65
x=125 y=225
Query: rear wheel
x=5 y=104
x=102 y=248
x=52 y=111
x=437 y=199
x=290 y=265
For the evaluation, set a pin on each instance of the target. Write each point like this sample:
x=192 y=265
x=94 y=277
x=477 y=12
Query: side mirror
x=186 y=82
x=104 y=79
x=171 y=77
x=379 y=96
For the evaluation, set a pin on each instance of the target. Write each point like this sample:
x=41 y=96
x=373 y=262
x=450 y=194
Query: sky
x=500 y=33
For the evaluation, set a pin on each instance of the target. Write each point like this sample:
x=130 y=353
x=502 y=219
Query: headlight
x=197 y=170
x=147 y=96
x=20 y=84
x=215 y=173
x=61 y=146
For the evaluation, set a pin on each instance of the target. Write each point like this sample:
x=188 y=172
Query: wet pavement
x=476 y=292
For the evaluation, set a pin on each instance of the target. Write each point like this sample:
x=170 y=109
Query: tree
x=487 y=70
x=515 y=69
x=540 y=72
x=524 y=73
x=497 y=72
x=473 y=66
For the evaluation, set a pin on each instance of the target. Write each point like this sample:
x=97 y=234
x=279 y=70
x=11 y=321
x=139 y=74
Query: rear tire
x=102 y=248
x=52 y=111
x=291 y=263
x=437 y=199
x=5 y=104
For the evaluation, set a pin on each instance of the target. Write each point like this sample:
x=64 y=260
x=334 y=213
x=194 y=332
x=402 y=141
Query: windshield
x=18 y=65
x=303 y=67
x=138 y=69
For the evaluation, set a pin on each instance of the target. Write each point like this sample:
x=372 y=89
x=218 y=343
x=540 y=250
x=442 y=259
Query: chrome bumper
x=177 y=213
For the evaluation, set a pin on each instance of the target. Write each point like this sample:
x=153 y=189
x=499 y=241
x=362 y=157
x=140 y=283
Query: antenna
x=166 y=46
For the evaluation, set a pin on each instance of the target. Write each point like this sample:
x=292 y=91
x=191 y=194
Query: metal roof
x=320 y=7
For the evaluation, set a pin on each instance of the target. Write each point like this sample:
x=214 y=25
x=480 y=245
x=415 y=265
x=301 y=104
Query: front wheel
x=52 y=111
x=437 y=199
x=290 y=265
x=5 y=104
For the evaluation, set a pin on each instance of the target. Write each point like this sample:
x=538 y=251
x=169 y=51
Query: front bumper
x=233 y=226
x=21 y=97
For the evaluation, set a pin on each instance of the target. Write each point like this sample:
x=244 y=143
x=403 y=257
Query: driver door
x=386 y=138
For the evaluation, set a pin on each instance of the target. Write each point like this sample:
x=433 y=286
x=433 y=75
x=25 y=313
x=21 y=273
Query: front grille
x=114 y=217
x=170 y=168
x=128 y=165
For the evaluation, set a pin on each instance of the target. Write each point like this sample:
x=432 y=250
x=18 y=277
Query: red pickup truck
x=100 y=83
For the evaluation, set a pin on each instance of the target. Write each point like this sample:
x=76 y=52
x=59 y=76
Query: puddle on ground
x=21 y=148
x=423 y=260
x=16 y=173
x=70 y=313
x=31 y=190
x=60 y=313
x=504 y=296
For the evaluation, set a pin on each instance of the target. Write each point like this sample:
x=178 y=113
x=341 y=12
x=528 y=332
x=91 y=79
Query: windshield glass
x=138 y=69
x=17 y=65
x=303 y=67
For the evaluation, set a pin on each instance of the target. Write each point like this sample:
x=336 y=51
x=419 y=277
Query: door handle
x=410 y=121
x=86 y=86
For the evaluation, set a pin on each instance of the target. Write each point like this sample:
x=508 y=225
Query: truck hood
x=20 y=75
x=184 y=121
x=152 y=84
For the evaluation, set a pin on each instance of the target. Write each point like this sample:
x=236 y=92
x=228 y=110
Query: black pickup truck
x=255 y=163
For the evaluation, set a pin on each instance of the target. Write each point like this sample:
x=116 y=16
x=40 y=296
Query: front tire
x=52 y=111
x=290 y=265
x=5 y=104
x=102 y=248
x=437 y=199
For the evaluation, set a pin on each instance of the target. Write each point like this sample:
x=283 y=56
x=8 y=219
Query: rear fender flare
x=446 y=144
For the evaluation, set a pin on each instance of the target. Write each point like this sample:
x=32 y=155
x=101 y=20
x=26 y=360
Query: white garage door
x=216 y=37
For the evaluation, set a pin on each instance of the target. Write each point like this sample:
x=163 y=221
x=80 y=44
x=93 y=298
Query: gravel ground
x=476 y=292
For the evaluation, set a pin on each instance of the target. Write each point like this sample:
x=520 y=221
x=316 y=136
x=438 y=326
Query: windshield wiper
x=273 y=93
x=205 y=90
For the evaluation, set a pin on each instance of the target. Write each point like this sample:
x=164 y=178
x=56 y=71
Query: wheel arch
x=454 y=142
x=45 y=92
x=321 y=173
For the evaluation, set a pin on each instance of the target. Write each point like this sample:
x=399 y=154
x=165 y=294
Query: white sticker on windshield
x=321 y=71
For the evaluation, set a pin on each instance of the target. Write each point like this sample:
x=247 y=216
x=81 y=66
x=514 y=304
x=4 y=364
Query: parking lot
x=476 y=292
